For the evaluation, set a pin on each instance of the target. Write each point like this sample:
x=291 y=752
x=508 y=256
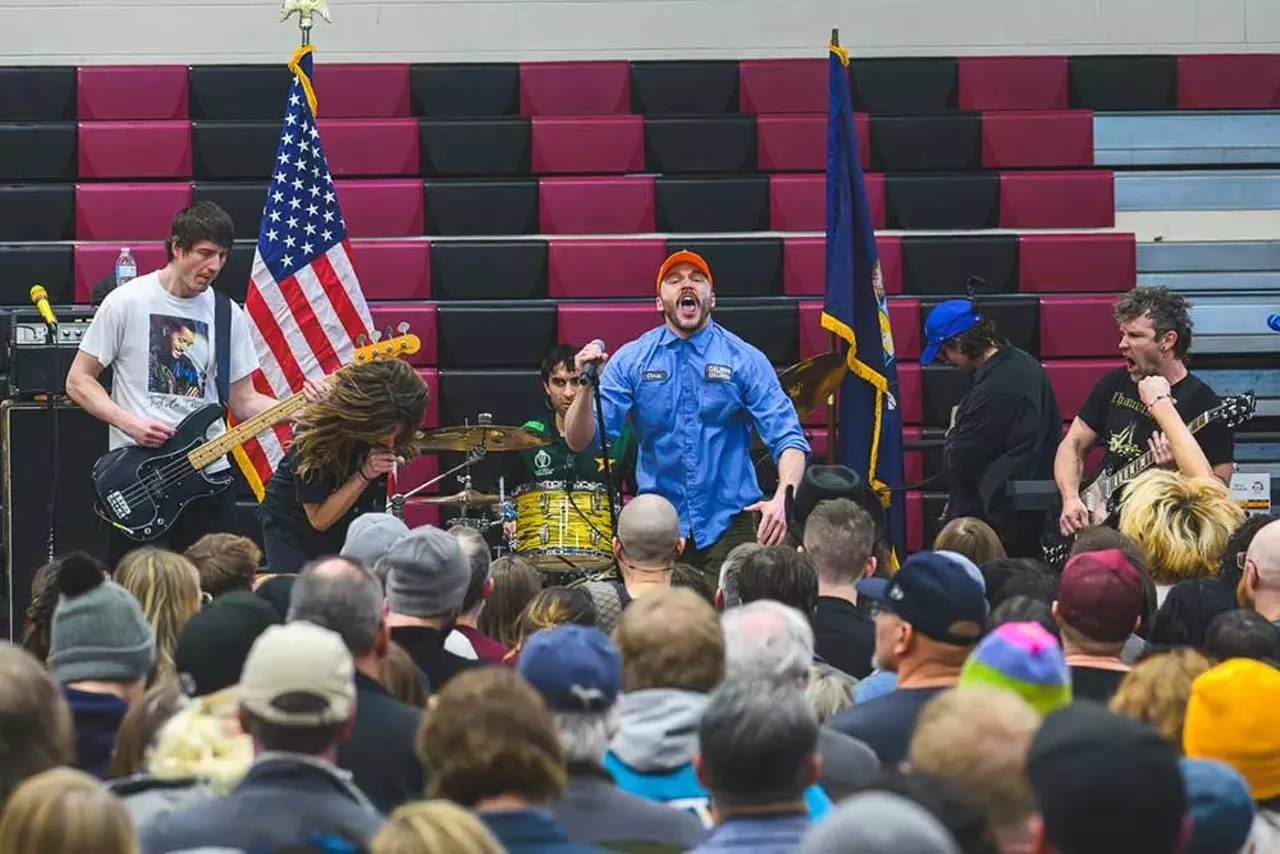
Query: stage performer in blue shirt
x=693 y=391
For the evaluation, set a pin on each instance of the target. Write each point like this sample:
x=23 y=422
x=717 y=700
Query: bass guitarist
x=156 y=333
x=1155 y=337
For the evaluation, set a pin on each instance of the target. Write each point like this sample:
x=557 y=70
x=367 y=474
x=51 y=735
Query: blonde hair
x=168 y=587
x=434 y=827
x=971 y=537
x=830 y=691
x=1158 y=689
x=65 y=811
x=204 y=740
x=1182 y=523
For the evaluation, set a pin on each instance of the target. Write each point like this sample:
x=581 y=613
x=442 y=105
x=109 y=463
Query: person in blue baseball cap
x=1005 y=428
x=929 y=616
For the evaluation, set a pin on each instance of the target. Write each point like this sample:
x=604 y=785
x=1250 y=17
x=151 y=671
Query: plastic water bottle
x=126 y=267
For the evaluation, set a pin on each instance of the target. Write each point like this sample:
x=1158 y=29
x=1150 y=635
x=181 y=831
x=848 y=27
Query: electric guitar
x=143 y=491
x=1100 y=494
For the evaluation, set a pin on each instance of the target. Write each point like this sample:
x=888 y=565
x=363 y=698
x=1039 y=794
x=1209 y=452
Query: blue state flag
x=854 y=308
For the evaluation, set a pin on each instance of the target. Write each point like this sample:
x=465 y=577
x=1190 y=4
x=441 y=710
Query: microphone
x=591 y=370
x=40 y=297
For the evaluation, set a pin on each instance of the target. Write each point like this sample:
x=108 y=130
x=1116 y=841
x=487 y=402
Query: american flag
x=304 y=302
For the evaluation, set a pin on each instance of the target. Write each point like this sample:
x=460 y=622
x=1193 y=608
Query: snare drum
x=564 y=525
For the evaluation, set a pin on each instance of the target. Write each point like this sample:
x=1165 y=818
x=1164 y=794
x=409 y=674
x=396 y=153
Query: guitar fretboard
x=244 y=431
x=1147 y=460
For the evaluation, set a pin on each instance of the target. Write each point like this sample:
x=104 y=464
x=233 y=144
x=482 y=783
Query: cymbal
x=811 y=382
x=465 y=498
x=491 y=437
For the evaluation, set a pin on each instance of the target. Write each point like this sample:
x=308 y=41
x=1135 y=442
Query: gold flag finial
x=305 y=10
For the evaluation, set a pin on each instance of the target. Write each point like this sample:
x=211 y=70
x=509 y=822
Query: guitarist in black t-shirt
x=1155 y=335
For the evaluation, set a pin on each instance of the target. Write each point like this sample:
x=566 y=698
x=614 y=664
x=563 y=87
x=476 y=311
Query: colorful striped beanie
x=1025 y=659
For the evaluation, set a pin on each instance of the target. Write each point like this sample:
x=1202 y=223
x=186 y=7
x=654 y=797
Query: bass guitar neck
x=215 y=449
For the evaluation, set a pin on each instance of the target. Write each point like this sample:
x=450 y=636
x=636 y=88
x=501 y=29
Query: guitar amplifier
x=36 y=367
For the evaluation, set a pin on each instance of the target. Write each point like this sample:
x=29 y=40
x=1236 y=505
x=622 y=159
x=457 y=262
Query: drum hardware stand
x=395 y=505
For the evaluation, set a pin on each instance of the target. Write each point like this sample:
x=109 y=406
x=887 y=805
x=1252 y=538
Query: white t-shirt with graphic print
x=161 y=351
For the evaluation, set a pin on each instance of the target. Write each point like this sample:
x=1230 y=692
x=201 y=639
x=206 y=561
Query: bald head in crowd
x=1262 y=572
x=648 y=537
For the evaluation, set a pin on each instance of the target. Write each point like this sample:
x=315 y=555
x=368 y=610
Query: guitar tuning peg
x=389 y=332
x=403 y=327
x=376 y=336
x=361 y=340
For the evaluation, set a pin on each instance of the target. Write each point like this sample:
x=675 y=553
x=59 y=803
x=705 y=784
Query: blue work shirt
x=692 y=403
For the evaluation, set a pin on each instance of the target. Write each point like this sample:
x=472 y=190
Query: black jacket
x=425 y=646
x=379 y=753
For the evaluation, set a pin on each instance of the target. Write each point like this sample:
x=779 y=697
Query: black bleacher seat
x=510 y=396
x=463 y=148
x=934 y=504
x=489 y=270
x=242 y=201
x=905 y=85
x=233 y=151
x=696 y=205
x=941 y=387
x=926 y=143
x=704 y=144
x=38 y=93
x=39 y=152
x=464 y=90
x=239 y=92
x=772 y=326
x=1123 y=83
x=931 y=454
x=1016 y=316
x=233 y=280
x=494 y=335
x=751 y=267
x=35 y=212
x=942 y=202
x=465 y=208
x=943 y=264
x=50 y=265
x=696 y=87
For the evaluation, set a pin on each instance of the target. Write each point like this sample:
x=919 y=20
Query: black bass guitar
x=143 y=491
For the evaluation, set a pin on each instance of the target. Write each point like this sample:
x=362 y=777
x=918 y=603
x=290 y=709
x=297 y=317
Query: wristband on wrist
x=1158 y=399
x=364 y=476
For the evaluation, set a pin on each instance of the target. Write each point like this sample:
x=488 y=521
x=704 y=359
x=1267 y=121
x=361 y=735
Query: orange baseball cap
x=684 y=256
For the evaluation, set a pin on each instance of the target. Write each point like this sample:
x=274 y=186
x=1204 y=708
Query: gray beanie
x=428 y=573
x=99 y=632
x=878 y=823
x=370 y=536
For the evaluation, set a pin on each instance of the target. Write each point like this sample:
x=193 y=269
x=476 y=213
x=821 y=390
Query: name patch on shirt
x=720 y=373
x=654 y=376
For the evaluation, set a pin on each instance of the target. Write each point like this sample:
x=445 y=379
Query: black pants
x=213 y=515
x=285 y=551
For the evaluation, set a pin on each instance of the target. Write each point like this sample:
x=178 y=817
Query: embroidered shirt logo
x=720 y=373
x=541 y=463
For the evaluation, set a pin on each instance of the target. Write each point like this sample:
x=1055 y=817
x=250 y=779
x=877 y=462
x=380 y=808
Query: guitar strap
x=222 y=344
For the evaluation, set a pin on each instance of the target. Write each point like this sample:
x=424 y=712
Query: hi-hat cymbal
x=490 y=437
x=465 y=498
x=810 y=383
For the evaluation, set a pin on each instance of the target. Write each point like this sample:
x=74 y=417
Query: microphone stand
x=604 y=453
x=51 y=397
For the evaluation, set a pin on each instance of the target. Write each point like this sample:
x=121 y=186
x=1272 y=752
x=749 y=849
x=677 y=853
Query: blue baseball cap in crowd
x=934 y=591
x=574 y=668
x=1220 y=805
x=947 y=320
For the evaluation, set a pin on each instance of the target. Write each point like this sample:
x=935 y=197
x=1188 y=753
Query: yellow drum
x=564 y=526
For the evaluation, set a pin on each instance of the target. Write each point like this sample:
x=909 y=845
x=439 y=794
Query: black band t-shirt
x=287 y=491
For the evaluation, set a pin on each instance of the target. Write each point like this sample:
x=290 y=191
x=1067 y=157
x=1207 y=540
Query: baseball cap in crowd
x=299 y=658
x=429 y=574
x=649 y=532
x=1219 y=804
x=684 y=256
x=370 y=536
x=213 y=645
x=1025 y=659
x=574 y=668
x=824 y=483
x=946 y=321
x=1100 y=595
x=1231 y=718
x=934 y=591
x=878 y=823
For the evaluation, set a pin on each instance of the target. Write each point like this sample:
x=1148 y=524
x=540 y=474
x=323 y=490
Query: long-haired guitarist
x=1155 y=337
x=156 y=333
x=335 y=469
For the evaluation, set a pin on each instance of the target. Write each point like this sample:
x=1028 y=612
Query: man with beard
x=692 y=391
x=1155 y=335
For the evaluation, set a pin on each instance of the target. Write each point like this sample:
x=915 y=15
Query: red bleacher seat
x=915 y=521
x=131 y=92
x=432 y=378
x=791 y=143
x=393 y=269
x=362 y=90
x=604 y=205
x=1081 y=199
x=588 y=145
x=1103 y=262
x=799 y=202
x=1072 y=379
x=421 y=318
x=1077 y=326
x=613 y=323
x=1045 y=139
x=904 y=318
x=375 y=148
x=148 y=149
x=805 y=262
x=95 y=260
x=121 y=211
x=381 y=208
x=575 y=88
x=782 y=86
x=1238 y=82
x=1013 y=83
x=909 y=385
x=604 y=268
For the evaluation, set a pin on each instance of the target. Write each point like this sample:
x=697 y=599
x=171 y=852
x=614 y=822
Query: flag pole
x=305 y=10
x=832 y=342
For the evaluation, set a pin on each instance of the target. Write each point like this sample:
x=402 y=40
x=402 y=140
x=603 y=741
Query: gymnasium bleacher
x=500 y=208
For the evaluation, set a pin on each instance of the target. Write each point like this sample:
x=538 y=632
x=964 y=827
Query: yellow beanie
x=1231 y=718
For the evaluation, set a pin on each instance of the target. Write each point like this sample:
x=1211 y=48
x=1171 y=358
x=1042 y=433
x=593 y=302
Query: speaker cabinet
x=27 y=433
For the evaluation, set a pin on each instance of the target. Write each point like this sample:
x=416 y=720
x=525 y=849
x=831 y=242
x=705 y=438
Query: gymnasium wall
x=67 y=32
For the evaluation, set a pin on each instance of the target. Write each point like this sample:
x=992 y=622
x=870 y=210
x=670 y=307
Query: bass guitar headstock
x=380 y=347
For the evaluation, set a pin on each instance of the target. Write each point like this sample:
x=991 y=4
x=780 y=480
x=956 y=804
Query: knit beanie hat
x=1025 y=659
x=1220 y=806
x=99 y=632
x=1231 y=718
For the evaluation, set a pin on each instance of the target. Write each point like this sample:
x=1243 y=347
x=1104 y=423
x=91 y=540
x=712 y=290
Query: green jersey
x=556 y=461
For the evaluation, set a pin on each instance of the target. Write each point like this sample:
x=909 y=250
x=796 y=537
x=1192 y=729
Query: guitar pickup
x=118 y=505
